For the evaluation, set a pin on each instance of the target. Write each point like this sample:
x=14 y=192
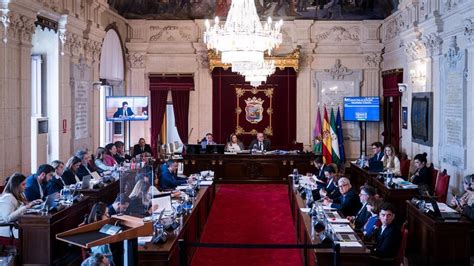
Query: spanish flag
x=327 y=142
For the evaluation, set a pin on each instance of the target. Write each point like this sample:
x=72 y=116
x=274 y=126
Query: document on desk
x=349 y=244
x=342 y=228
x=206 y=182
x=305 y=210
x=182 y=187
x=142 y=240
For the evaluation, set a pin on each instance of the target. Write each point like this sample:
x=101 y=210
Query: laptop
x=216 y=149
x=444 y=215
x=86 y=182
x=51 y=201
x=376 y=166
x=192 y=148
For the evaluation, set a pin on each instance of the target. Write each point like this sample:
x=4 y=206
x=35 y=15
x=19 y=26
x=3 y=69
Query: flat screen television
x=362 y=109
x=126 y=108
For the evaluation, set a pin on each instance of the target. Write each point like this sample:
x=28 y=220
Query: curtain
x=158 y=109
x=181 y=112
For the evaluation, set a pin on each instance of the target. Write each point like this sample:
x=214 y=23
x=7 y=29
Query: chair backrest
x=442 y=185
x=403 y=244
x=434 y=176
x=405 y=167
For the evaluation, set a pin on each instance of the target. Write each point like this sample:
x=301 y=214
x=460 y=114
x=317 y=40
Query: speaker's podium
x=115 y=229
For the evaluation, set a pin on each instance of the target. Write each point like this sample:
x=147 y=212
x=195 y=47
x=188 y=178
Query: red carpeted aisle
x=254 y=214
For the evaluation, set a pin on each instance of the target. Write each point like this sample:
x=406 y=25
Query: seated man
x=388 y=236
x=120 y=204
x=124 y=111
x=207 y=140
x=377 y=148
x=36 y=184
x=366 y=192
x=348 y=202
x=169 y=178
x=319 y=175
x=142 y=148
x=260 y=143
x=120 y=156
x=330 y=190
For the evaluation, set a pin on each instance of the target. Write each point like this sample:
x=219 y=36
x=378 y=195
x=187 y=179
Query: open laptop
x=376 y=166
x=51 y=201
x=192 y=148
x=86 y=182
x=444 y=215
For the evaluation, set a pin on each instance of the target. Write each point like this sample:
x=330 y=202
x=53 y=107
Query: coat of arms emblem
x=254 y=110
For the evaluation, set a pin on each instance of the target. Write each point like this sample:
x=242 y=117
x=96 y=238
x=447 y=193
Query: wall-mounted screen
x=126 y=108
x=362 y=109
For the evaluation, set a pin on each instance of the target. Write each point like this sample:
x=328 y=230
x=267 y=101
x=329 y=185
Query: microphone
x=190 y=131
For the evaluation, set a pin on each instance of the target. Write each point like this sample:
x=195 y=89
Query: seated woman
x=100 y=212
x=56 y=183
x=422 y=176
x=70 y=173
x=390 y=161
x=459 y=203
x=99 y=161
x=140 y=199
x=373 y=206
x=13 y=203
x=234 y=145
x=110 y=152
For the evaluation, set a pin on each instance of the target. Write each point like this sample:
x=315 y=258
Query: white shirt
x=40 y=188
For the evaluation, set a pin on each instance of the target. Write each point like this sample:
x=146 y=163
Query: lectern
x=88 y=236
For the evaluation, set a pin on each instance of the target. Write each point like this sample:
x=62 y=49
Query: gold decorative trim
x=290 y=60
x=239 y=92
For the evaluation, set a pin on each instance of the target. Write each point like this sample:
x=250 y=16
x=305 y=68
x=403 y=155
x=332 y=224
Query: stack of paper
x=349 y=244
x=342 y=228
x=206 y=182
x=142 y=240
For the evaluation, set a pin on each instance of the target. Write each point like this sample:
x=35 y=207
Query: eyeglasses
x=343 y=185
x=363 y=194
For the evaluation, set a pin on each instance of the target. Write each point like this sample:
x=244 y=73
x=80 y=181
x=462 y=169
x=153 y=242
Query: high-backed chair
x=434 y=176
x=441 y=187
x=405 y=167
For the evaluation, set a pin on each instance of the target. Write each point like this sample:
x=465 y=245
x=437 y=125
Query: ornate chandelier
x=243 y=38
x=255 y=72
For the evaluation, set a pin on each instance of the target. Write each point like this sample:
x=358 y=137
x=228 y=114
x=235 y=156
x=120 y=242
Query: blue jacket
x=169 y=180
x=349 y=203
x=32 y=190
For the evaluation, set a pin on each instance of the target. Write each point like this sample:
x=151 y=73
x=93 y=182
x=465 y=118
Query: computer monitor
x=193 y=148
x=216 y=148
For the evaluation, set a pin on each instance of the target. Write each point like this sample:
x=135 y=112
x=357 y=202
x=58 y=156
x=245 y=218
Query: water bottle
x=362 y=161
x=295 y=176
x=309 y=198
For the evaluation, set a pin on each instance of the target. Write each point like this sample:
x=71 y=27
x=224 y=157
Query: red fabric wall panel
x=283 y=104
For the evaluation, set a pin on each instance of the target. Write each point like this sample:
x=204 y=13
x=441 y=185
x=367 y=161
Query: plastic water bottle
x=295 y=176
x=309 y=198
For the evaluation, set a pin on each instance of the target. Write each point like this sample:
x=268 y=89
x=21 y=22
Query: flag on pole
x=317 y=135
x=334 y=142
x=340 y=136
x=327 y=157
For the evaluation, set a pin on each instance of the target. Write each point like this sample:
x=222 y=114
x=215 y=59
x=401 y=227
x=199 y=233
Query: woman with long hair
x=100 y=212
x=13 y=203
x=422 y=176
x=110 y=152
x=234 y=144
x=140 y=200
x=70 y=173
x=99 y=161
x=390 y=161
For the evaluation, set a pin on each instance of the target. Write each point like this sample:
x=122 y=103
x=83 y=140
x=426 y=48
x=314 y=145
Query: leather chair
x=434 y=176
x=405 y=167
x=441 y=187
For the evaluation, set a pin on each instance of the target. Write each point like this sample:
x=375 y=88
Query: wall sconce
x=4 y=19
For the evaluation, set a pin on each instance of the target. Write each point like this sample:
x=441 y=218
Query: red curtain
x=158 y=108
x=181 y=112
x=392 y=108
x=225 y=103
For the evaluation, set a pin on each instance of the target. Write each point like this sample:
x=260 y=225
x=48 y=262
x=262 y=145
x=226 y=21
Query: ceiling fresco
x=284 y=9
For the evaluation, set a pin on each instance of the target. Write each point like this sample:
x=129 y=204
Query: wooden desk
x=190 y=231
x=349 y=255
x=38 y=233
x=245 y=168
x=396 y=196
x=106 y=194
x=436 y=242
x=360 y=176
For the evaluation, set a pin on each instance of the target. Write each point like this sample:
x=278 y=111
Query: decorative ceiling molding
x=415 y=50
x=338 y=34
x=281 y=61
x=373 y=60
x=170 y=33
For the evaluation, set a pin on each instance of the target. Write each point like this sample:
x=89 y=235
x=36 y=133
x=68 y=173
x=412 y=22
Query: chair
x=405 y=167
x=441 y=187
x=434 y=176
x=8 y=242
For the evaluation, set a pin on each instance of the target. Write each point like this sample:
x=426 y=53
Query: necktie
x=260 y=146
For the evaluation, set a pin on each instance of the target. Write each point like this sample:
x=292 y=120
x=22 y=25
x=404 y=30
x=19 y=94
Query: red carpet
x=249 y=214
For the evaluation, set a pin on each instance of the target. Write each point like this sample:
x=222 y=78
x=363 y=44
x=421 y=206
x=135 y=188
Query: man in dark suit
x=260 y=143
x=359 y=220
x=348 y=202
x=124 y=111
x=142 y=148
x=389 y=235
x=169 y=178
x=36 y=184
x=120 y=204
x=121 y=156
x=330 y=190
x=319 y=175
x=207 y=140
x=377 y=148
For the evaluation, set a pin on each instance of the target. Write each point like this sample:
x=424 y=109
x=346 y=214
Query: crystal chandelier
x=243 y=38
x=255 y=73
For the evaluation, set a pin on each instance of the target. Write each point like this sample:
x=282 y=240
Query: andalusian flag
x=317 y=135
x=327 y=157
x=334 y=142
x=340 y=136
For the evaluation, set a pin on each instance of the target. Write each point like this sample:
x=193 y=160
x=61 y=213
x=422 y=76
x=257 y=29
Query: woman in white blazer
x=13 y=203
